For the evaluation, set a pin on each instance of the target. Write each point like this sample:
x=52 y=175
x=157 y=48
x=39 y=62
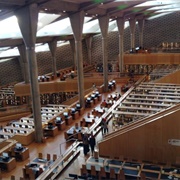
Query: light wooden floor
x=52 y=146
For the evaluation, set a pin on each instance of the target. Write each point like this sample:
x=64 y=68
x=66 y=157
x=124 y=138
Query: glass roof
x=48 y=27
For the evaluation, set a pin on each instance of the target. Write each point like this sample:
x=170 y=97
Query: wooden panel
x=56 y=86
x=148 y=142
x=155 y=58
x=172 y=78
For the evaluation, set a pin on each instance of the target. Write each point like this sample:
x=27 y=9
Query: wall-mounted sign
x=174 y=142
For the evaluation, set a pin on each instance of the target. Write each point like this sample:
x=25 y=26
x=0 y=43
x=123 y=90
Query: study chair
x=112 y=174
x=142 y=176
x=40 y=155
x=93 y=172
x=102 y=173
x=48 y=157
x=12 y=177
x=84 y=171
x=121 y=175
x=54 y=157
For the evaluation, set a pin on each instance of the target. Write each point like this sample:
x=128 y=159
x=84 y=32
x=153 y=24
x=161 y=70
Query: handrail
x=57 y=166
x=143 y=121
x=73 y=139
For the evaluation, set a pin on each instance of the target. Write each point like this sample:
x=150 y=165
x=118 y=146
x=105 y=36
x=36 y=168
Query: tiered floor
x=57 y=145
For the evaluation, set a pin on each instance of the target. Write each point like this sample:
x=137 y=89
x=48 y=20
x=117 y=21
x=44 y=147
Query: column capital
x=104 y=24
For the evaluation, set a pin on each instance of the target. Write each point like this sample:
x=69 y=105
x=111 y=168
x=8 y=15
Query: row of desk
x=132 y=169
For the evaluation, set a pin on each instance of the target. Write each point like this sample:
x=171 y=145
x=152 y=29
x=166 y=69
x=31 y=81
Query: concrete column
x=104 y=24
x=77 y=21
x=120 y=24
x=72 y=44
x=27 y=19
x=141 y=29
x=53 y=46
x=24 y=62
x=89 y=48
x=132 y=23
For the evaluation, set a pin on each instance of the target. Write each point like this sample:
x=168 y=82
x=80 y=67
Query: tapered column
x=27 y=19
x=77 y=21
x=53 y=47
x=141 y=30
x=89 y=48
x=24 y=62
x=104 y=24
x=25 y=68
x=120 y=24
x=132 y=23
x=72 y=44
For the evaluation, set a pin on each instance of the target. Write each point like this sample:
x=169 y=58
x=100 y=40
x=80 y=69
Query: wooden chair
x=30 y=173
x=121 y=175
x=48 y=157
x=142 y=176
x=83 y=170
x=112 y=174
x=13 y=177
x=40 y=171
x=54 y=157
x=102 y=173
x=93 y=172
x=40 y=155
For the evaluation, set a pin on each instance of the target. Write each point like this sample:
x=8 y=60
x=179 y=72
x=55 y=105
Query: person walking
x=92 y=143
x=105 y=127
x=85 y=144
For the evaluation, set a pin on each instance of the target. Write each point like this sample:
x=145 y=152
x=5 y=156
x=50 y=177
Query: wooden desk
x=9 y=165
x=20 y=124
x=51 y=132
x=68 y=120
x=61 y=125
x=20 y=154
x=75 y=115
x=81 y=111
x=6 y=135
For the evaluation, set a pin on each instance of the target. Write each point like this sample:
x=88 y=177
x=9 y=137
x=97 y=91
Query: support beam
x=141 y=30
x=104 y=24
x=24 y=62
x=77 y=21
x=53 y=46
x=72 y=44
x=132 y=23
x=27 y=20
x=89 y=48
x=120 y=24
